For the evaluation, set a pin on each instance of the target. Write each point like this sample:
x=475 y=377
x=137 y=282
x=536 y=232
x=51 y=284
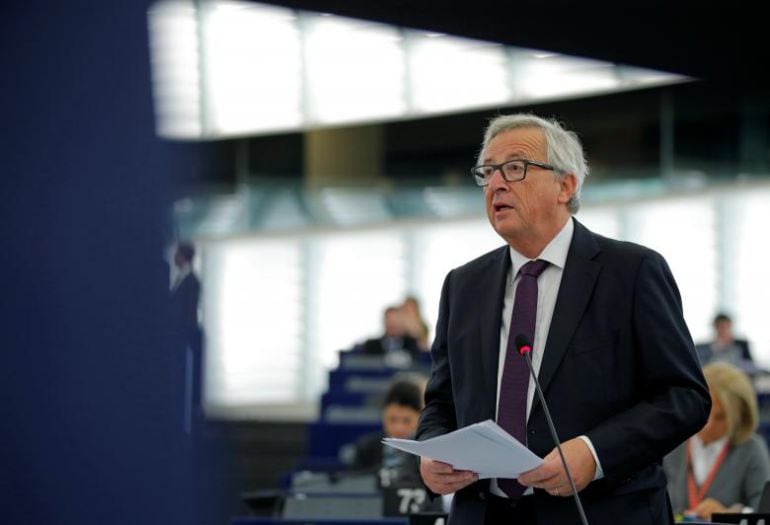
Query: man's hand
x=551 y=477
x=442 y=478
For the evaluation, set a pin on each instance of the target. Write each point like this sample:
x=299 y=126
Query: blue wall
x=91 y=427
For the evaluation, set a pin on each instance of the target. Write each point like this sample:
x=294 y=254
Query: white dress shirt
x=548 y=290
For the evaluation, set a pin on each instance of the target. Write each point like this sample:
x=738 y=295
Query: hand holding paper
x=442 y=478
x=483 y=448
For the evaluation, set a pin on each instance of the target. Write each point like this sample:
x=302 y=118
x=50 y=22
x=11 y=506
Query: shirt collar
x=555 y=252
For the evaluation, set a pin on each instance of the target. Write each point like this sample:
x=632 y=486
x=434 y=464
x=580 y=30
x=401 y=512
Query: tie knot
x=534 y=268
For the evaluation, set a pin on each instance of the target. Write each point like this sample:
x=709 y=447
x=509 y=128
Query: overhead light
x=455 y=73
x=227 y=68
x=252 y=68
x=354 y=70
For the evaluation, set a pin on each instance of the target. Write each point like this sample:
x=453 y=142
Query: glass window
x=683 y=231
x=252 y=308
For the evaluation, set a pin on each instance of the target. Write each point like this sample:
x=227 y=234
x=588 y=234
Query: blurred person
x=724 y=467
x=610 y=346
x=395 y=345
x=725 y=347
x=400 y=412
x=185 y=294
x=414 y=323
x=185 y=298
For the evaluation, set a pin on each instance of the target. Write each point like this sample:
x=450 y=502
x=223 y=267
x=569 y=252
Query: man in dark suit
x=185 y=295
x=610 y=346
x=725 y=347
x=395 y=339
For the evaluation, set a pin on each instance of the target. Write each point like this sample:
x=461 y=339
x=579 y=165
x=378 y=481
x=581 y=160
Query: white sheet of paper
x=484 y=448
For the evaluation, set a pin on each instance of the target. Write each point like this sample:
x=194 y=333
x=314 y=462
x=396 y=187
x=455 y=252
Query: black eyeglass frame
x=495 y=167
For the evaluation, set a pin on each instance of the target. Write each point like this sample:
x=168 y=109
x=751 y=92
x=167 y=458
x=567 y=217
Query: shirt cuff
x=599 y=472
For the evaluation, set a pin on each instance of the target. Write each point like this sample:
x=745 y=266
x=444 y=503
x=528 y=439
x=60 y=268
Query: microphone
x=524 y=346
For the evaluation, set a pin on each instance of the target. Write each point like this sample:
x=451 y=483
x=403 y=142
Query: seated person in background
x=396 y=345
x=400 y=413
x=724 y=347
x=414 y=324
x=724 y=467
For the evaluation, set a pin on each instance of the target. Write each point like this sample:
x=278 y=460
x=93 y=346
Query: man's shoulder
x=622 y=248
x=623 y=252
x=483 y=262
x=618 y=250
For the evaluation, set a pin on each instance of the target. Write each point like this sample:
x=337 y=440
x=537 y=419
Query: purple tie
x=512 y=411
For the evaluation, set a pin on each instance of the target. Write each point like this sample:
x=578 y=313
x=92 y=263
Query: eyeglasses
x=512 y=170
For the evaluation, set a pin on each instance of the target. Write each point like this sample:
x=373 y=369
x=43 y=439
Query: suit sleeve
x=673 y=400
x=438 y=415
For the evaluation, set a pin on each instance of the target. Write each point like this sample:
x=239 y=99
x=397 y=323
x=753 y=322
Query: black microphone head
x=523 y=344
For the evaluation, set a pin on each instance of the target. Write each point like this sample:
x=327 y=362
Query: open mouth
x=502 y=207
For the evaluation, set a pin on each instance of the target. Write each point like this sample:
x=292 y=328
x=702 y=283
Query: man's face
x=179 y=259
x=400 y=421
x=535 y=206
x=724 y=330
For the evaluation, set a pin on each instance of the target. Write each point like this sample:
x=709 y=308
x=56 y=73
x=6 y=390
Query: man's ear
x=568 y=187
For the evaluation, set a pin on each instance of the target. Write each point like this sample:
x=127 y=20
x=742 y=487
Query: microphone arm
x=525 y=348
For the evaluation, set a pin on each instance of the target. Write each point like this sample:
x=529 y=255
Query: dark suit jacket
x=619 y=366
x=705 y=353
x=188 y=334
x=184 y=302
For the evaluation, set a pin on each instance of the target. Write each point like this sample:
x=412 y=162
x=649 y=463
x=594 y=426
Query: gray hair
x=565 y=152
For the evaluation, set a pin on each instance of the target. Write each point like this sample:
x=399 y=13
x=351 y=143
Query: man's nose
x=497 y=181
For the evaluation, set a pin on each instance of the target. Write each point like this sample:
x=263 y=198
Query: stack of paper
x=483 y=448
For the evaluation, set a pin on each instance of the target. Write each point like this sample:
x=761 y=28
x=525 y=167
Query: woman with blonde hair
x=724 y=467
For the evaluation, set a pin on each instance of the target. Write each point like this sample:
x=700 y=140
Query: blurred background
x=316 y=157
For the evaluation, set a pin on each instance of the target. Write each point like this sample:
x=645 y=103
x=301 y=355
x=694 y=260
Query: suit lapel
x=577 y=283
x=492 y=286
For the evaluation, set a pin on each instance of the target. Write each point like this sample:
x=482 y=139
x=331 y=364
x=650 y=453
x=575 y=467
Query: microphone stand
x=526 y=350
